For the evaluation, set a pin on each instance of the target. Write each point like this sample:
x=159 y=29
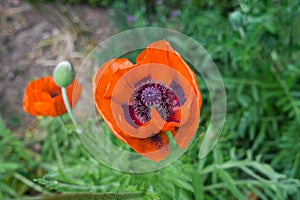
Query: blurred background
x=256 y=47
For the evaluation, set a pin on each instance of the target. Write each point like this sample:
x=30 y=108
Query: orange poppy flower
x=44 y=98
x=141 y=102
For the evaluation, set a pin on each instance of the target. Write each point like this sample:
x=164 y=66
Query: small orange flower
x=44 y=98
x=141 y=102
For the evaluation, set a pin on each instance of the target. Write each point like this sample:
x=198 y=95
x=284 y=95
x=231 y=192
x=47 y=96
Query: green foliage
x=80 y=196
x=71 y=170
x=255 y=44
x=17 y=165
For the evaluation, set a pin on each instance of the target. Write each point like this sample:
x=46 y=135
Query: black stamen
x=54 y=94
x=150 y=94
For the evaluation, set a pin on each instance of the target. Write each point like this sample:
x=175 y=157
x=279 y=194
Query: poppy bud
x=236 y=19
x=64 y=74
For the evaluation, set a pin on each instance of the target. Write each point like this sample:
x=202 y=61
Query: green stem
x=59 y=160
x=67 y=104
x=29 y=183
x=56 y=150
x=296 y=164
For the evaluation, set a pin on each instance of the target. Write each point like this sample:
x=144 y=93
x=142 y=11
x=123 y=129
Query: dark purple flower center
x=54 y=94
x=152 y=95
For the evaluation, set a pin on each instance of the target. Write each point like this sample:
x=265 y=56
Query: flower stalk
x=64 y=75
x=67 y=104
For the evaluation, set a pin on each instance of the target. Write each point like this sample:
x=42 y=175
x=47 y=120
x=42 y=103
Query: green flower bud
x=64 y=74
x=236 y=19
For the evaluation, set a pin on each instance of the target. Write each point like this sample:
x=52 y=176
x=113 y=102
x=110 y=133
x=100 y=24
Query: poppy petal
x=141 y=102
x=103 y=86
x=121 y=97
x=44 y=98
x=161 y=52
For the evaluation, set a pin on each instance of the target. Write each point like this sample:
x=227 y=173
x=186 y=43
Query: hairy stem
x=67 y=104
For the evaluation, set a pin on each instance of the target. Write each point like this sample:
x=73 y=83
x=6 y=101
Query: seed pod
x=64 y=74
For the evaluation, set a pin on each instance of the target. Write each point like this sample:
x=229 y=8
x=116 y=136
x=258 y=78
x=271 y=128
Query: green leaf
x=227 y=179
x=80 y=196
x=9 y=166
x=197 y=183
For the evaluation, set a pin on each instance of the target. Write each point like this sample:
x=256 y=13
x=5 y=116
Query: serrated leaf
x=183 y=195
x=181 y=183
x=267 y=171
x=226 y=178
x=260 y=194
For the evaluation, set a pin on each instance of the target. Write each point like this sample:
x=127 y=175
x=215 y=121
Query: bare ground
x=33 y=39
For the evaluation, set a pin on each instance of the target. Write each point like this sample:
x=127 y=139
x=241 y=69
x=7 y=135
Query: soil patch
x=33 y=39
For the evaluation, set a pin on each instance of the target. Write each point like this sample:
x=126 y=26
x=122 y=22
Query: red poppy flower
x=141 y=102
x=44 y=98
